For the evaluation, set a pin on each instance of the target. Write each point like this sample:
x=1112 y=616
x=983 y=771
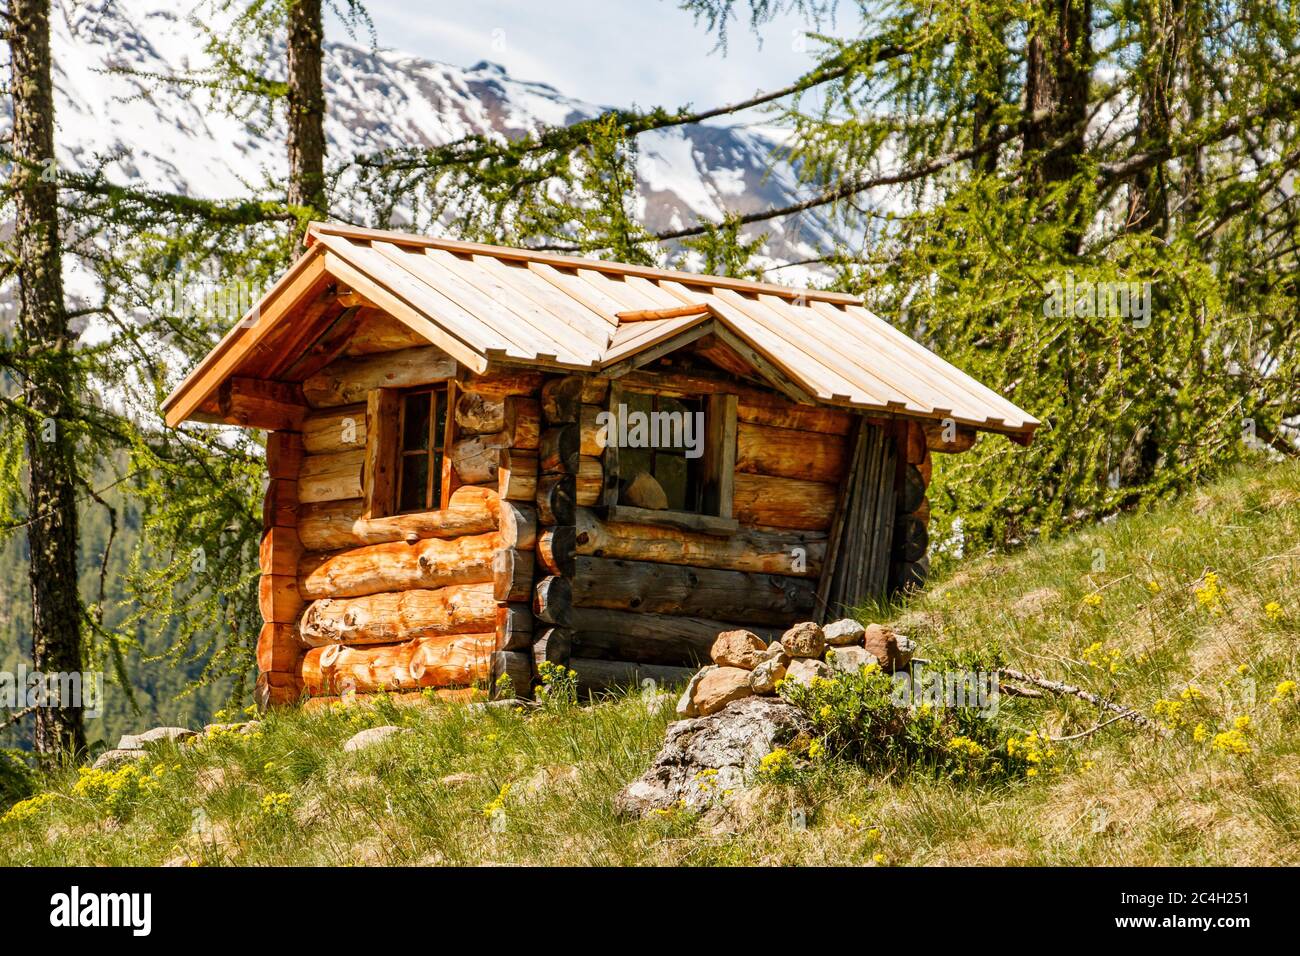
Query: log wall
x=532 y=558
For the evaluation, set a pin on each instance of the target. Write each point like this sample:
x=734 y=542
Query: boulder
x=114 y=758
x=849 y=660
x=802 y=670
x=686 y=703
x=704 y=758
x=156 y=735
x=843 y=632
x=644 y=491
x=804 y=640
x=719 y=687
x=373 y=736
x=776 y=652
x=893 y=650
x=763 y=678
x=738 y=649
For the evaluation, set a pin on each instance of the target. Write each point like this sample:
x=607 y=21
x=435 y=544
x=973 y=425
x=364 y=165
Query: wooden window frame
x=719 y=469
x=381 y=478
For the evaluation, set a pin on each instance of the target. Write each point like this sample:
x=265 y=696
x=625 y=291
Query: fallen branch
x=1090 y=731
x=1057 y=687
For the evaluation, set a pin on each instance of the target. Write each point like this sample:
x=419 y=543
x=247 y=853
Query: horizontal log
x=511 y=674
x=279 y=648
x=400 y=615
x=753 y=404
x=284 y=455
x=514 y=627
x=331 y=477
x=280 y=503
x=592 y=436
x=911 y=539
x=553 y=646
x=513 y=421
x=477 y=460
x=649 y=638
x=517 y=525
x=560 y=449
x=561 y=399
x=446 y=661
x=278 y=598
x=346 y=381
x=768 y=502
x=591 y=481
x=377 y=331
x=556 y=548
x=257 y=403
x=911 y=490
x=371 y=569
x=745 y=597
x=794 y=553
x=326 y=526
x=597 y=676
x=786 y=453
x=556 y=499
x=553 y=600
x=949 y=438
x=339 y=429
x=512 y=575
x=517 y=475
x=279 y=551
x=502 y=381
x=277 y=689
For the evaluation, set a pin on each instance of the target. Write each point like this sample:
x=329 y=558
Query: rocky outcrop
x=704 y=759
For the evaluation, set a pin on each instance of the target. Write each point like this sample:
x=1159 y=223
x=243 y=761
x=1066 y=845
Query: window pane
x=415 y=479
x=415 y=422
x=671 y=471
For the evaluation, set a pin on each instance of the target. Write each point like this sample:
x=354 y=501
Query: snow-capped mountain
x=156 y=134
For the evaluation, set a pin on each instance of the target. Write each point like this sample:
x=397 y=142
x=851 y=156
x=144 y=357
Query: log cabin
x=482 y=458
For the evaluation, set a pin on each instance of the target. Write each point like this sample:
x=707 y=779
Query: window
x=665 y=438
x=687 y=444
x=421 y=425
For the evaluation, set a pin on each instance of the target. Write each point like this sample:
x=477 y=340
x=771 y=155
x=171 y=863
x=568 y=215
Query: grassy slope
x=1119 y=796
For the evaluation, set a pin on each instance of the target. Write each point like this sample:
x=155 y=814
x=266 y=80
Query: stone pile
x=744 y=665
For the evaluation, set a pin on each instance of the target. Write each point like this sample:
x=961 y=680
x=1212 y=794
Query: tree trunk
x=306 y=142
x=1058 y=66
x=49 y=389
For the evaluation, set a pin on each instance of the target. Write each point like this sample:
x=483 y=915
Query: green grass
x=1120 y=795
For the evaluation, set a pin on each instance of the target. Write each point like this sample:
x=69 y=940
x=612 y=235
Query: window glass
x=419 y=467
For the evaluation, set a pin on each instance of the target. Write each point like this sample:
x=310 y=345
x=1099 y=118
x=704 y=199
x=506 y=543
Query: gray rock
x=849 y=660
x=114 y=758
x=843 y=632
x=157 y=734
x=686 y=703
x=728 y=745
x=373 y=736
x=802 y=671
x=763 y=678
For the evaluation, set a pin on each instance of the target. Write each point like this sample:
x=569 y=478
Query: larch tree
x=46 y=350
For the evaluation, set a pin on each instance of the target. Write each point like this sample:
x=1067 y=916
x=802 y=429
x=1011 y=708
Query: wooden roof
x=484 y=304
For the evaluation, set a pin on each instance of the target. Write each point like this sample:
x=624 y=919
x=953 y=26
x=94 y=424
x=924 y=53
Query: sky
x=608 y=52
